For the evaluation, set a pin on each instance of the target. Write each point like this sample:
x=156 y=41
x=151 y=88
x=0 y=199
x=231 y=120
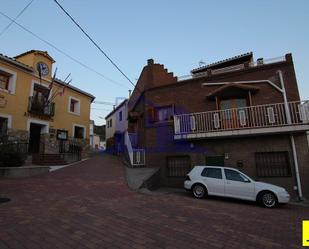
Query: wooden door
x=230 y=115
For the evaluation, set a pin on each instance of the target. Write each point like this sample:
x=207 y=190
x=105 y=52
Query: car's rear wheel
x=199 y=191
x=268 y=199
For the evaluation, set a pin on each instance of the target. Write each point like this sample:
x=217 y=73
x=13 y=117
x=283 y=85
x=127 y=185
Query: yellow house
x=34 y=109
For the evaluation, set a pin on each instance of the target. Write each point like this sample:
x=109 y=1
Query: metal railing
x=136 y=156
x=261 y=116
x=70 y=150
x=257 y=63
x=41 y=108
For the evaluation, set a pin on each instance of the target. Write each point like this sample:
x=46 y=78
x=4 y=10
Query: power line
x=101 y=109
x=94 y=43
x=62 y=52
x=19 y=14
x=103 y=103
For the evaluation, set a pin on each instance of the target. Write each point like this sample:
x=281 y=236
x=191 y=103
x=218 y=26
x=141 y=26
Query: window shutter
x=151 y=114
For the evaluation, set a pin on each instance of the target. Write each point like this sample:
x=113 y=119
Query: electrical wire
x=19 y=14
x=94 y=43
x=62 y=52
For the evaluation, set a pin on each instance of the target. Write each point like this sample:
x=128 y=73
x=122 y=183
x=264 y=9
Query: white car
x=230 y=182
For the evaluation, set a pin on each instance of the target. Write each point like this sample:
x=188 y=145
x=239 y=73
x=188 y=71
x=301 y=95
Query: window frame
x=153 y=114
x=168 y=170
x=212 y=168
x=7 y=82
x=268 y=169
x=244 y=178
x=78 y=102
x=11 y=86
x=79 y=126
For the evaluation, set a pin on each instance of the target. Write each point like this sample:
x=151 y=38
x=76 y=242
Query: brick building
x=237 y=112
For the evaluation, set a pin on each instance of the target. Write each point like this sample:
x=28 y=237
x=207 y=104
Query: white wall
x=117 y=125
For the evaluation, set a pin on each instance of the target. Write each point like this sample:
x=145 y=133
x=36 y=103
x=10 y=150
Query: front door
x=231 y=112
x=34 y=138
x=215 y=160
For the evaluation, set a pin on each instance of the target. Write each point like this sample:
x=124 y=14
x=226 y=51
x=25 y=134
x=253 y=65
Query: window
x=178 y=166
x=120 y=116
x=212 y=173
x=79 y=132
x=4 y=80
x=110 y=123
x=161 y=114
x=233 y=175
x=7 y=80
x=272 y=164
x=3 y=126
x=74 y=105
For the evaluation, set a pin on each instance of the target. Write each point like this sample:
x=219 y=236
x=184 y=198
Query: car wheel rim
x=198 y=191
x=269 y=200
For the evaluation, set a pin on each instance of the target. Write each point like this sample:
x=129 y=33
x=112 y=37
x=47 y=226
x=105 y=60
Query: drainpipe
x=300 y=193
x=289 y=121
x=286 y=105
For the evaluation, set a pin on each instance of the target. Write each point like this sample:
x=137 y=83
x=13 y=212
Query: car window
x=233 y=175
x=212 y=173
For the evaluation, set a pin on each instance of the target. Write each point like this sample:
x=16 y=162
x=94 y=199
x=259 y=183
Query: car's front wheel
x=267 y=199
x=199 y=191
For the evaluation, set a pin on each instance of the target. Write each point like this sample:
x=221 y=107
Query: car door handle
x=228 y=183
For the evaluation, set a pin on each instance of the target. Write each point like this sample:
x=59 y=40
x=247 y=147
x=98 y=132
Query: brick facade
x=161 y=89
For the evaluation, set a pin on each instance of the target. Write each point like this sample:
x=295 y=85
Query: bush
x=10 y=157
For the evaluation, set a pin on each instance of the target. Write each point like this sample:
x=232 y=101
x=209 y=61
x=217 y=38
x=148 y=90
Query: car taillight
x=188 y=178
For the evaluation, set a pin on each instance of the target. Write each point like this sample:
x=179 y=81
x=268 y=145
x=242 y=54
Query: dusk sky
x=177 y=34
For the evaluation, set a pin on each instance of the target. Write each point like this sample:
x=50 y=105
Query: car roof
x=215 y=166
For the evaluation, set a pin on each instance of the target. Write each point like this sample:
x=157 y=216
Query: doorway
x=34 y=137
x=215 y=160
x=231 y=112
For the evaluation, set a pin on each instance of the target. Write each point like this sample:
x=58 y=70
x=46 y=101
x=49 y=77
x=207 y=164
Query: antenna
x=201 y=63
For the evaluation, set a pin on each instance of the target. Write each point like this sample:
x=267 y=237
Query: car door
x=213 y=180
x=237 y=185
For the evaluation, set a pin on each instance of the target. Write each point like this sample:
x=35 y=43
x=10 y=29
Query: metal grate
x=178 y=166
x=272 y=164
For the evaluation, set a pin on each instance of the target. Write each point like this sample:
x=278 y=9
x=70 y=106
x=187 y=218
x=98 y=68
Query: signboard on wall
x=62 y=135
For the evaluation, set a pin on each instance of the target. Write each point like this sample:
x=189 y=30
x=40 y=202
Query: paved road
x=88 y=205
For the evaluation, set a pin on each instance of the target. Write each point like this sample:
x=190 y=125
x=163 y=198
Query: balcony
x=41 y=108
x=253 y=120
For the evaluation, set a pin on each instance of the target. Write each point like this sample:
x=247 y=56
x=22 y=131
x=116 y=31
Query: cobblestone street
x=88 y=205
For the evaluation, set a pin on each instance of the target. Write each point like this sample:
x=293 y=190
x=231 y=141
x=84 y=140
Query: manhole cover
x=3 y=200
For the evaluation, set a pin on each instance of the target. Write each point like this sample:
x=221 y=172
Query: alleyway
x=89 y=205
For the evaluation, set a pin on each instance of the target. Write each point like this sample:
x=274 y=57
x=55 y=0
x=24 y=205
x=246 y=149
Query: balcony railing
x=253 y=117
x=41 y=108
x=257 y=63
x=136 y=156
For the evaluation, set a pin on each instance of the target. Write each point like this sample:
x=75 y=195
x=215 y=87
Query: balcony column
x=286 y=105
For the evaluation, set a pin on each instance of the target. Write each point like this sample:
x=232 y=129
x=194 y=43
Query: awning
x=232 y=90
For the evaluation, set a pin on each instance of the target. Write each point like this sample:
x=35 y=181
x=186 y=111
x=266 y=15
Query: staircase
x=136 y=155
x=48 y=159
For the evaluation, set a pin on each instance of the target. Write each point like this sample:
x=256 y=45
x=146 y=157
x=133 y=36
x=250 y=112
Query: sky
x=176 y=33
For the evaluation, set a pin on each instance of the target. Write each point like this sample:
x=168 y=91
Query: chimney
x=150 y=62
x=130 y=91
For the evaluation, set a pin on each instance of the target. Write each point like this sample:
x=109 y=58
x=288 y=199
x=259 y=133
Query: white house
x=117 y=120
